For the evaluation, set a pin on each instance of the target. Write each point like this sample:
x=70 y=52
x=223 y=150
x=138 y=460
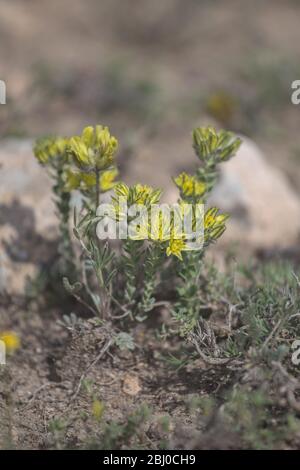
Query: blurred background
x=152 y=71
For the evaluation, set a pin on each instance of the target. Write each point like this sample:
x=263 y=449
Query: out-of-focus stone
x=27 y=214
x=22 y=179
x=264 y=209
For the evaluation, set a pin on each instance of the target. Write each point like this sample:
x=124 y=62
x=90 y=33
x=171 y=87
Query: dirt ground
x=42 y=384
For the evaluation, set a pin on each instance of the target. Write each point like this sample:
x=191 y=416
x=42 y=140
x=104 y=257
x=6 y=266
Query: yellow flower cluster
x=168 y=229
x=49 y=148
x=138 y=194
x=85 y=181
x=94 y=149
x=88 y=159
x=213 y=145
x=127 y=196
x=81 y=161
x=190 y=186
x=162 y=228
x=214 y=224
x=175 y=247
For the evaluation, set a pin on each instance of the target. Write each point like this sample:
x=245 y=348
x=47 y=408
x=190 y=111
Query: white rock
x=27 y=213
x=265 y=210
x=23 y=179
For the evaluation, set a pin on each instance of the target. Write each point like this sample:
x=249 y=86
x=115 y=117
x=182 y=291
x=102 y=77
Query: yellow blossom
x=98 y=409
x=127 y=196
x=190 y=186
x=11 y=341
x=107 y=179
x=138 y=194
x=218 y=146
x=156 y=225
x=49 y=148
x=176 y=247
x=84 y=181
x=94 y=149
x=214 y=224
x=161 y=225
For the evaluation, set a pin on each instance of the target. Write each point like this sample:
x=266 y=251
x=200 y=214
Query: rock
x=264 y=209
x=131 y=385
x=23 y=180
x=27 y=215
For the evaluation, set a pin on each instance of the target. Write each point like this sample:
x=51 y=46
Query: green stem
x=151 y=279
x=187 y=309
x=97 y=188
x=63 y=208
x=131 y=261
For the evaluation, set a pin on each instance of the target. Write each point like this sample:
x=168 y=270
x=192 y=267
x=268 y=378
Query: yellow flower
x=98 y=409
x=122 y=190
x=210 y=144
x=107 y=179
x=84 y=181
x=190 y=186
x=72 y=180
x=11 y=341
x=214 y=224
x=49 y=148
x=137 y=194
x=161 y=226
x=80 y=151
x=176 y=247
x=141 y=194
x=210 y=217
x=94 y=149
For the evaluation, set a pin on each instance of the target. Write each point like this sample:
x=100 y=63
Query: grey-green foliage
x=153 y=261
x=264 y=312
x=186 y=309
x=130 y=264
x=62 y=201
x=213 y=148
x=97 y=259
x=124 y=341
